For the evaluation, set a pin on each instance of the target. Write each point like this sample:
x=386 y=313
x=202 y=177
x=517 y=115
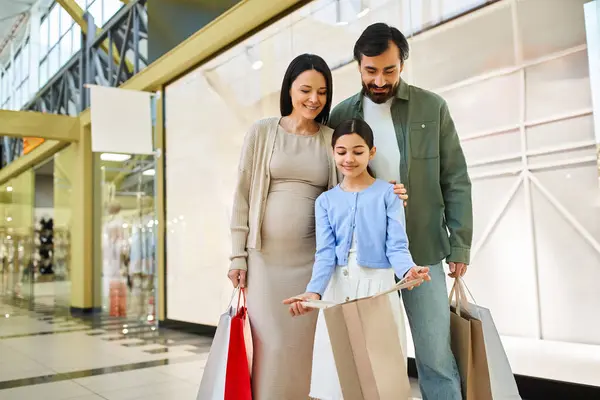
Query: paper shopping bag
x=366 y=347
x=237 y=380
x=490 y=363
x=212 y=386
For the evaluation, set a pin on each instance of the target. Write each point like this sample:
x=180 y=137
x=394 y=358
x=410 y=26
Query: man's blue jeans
x=429 y=318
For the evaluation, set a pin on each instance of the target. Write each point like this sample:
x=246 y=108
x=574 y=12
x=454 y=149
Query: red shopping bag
x=237 y=380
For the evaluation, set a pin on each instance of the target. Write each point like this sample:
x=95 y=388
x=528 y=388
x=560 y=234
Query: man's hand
x=237 y=277
x=295 y=303
x=457 y=270
x=400 y=190
x=417 y=272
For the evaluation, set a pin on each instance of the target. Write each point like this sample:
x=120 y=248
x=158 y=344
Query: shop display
x=45 y=246
x=142 y=243
x=62 y=253
x=113 y=246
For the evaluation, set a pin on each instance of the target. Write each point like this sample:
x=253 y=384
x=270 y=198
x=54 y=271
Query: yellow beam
x=225 y=30
x=37 y=155
x=76 y=12
x=39 y=125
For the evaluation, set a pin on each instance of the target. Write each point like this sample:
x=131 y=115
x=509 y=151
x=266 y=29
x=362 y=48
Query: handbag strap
x=323 y=304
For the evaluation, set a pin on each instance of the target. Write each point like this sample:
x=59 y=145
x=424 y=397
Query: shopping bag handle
x=323 y=304
x=403 y=284
x=458 y=292
x=240 y=292
x=463 y=286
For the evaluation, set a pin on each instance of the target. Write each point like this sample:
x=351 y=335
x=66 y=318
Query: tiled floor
x=47 y=354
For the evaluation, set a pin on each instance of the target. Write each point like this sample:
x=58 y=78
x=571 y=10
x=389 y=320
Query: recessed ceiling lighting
x=256 y=65
x=9 y=189
x=363 y=12
x=149 y=172
x=114 y=157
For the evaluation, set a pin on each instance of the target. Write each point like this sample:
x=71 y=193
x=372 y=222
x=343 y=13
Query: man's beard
x=380 y=98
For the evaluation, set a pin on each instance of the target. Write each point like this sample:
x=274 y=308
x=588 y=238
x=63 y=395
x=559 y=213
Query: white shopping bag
x=212 y=386
x=502 y=380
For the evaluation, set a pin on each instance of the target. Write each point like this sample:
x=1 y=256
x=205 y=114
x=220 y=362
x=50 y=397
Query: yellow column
x=82 y=225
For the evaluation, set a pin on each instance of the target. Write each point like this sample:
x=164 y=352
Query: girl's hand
x=237 y=277
x=417 y=272
x=400 y=190
x=296 y=308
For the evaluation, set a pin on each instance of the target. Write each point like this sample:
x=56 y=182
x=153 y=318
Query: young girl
x=361 y=243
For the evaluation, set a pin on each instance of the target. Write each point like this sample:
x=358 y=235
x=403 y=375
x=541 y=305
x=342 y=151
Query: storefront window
x=35 y=233
x=16 y=237
x=128 y=262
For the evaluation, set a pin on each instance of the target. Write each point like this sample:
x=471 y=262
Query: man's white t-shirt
x=386 y=164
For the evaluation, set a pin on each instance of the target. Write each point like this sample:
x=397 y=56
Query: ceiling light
x=9 y=189
x=256 y=65
x=364 y=12
x=114 y=157
x=149 y=172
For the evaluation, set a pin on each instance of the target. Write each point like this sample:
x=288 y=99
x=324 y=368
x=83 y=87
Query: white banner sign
x=121 y=120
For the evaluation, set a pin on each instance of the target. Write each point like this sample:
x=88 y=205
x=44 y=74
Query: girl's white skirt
x=348 y=283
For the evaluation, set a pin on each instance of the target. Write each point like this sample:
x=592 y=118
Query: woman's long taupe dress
x=283 y=267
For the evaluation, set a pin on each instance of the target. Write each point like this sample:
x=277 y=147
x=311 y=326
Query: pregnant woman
x=286 y=163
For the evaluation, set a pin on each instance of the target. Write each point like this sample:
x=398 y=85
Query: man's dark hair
x=376 y=39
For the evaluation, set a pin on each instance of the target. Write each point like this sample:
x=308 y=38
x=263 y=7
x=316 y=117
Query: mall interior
x=124 y=120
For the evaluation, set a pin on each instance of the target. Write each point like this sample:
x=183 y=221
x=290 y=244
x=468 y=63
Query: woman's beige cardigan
x=252 y=188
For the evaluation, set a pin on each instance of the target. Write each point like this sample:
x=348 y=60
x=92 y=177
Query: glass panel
x=474 y=110
x=559 y=291
x=76 y=38
x=53 y=62
x=548 y=26
x=425 y=13
x=128 y=236
x=66 y=48
x=17 y=70
x=62 y=213
x=65 y=21
x=557 y=87
x=507 y=252
x=25 y=60
x=26 y=94
x=44 y=37
x=489 y=147
x=43 y=73
x=96 y=10
x=588 y=152
x=110 y=8
x=559 y=133
x=464 y=48
x=54 y=25
x=16 y=236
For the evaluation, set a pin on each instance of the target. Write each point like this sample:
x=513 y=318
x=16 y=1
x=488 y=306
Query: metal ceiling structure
x=126 y=34
x=108 y=57
x=13 y=21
